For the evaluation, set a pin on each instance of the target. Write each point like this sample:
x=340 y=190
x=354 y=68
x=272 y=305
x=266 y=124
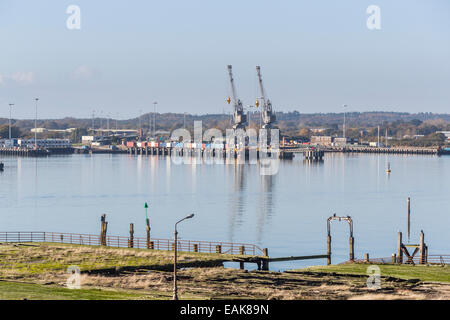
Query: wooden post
x=265 y=262
x=131 y=240
x=352 y=248
x=366 y=258
x=195 y=245
x=105 y=231
x=104 y=228
x=241 y=265
x=399 y=248
x=242 y=250
x=218 y=249
x=329 y=249
x=394 y=258
x=422 y=248
x=148 y=232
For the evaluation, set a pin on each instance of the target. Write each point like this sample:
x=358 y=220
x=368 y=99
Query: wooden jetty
x=385 y=150
x=200 y=152
x=307 y=151
x=24 y=152
x=313 y=154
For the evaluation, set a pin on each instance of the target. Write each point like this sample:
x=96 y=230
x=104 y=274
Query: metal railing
x=138 y=242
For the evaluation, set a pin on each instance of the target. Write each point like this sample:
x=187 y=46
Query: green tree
x=4 y=132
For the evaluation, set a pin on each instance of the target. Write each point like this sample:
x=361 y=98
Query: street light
x=343 y=129
x=10 y=106
x=175 y=289
x=155 y=104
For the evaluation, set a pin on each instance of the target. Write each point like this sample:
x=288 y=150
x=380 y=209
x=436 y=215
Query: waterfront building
x=45 y=143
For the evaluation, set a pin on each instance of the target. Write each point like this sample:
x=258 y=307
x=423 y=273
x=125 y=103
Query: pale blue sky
x=315 y=56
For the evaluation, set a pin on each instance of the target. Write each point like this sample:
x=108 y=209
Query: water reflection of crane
x=266 y=205
x=238 y=200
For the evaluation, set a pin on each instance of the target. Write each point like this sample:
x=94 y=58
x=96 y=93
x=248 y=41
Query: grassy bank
x=19 y=291
x=38 y=271
x=39 y=258
x=436 y=273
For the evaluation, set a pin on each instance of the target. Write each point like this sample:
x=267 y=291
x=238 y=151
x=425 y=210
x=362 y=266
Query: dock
x=202 y=152
x=24 y=152
x=385 y=150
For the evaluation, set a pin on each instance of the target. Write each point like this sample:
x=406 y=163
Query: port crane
x=239 y=117
x=267 y=114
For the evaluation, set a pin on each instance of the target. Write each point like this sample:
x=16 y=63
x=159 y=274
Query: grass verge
x=435 y=273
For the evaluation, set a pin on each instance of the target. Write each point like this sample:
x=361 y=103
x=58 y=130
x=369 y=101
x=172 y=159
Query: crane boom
x=267 y=113
x=261 y=87
x=233 y=89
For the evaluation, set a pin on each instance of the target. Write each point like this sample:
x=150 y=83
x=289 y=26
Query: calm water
x=286 y=212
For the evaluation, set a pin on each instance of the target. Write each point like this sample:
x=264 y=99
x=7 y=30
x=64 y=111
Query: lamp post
x=10 y=107
x=35 y=124
x=343 y=129
x=155 y=104
x=175 y=288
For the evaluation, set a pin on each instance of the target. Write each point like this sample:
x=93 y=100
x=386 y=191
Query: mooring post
x=352 y=248
x=104 y=228
x=131 y=241
x=265 y=262
x=148 y=232
x=366 y=257
x=422 y=248
x=399 y=248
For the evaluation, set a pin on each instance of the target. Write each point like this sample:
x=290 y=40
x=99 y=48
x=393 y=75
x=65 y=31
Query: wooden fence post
x=366 y=258
x=131 y=240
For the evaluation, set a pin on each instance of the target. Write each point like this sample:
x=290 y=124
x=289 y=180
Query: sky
x=315 y=56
